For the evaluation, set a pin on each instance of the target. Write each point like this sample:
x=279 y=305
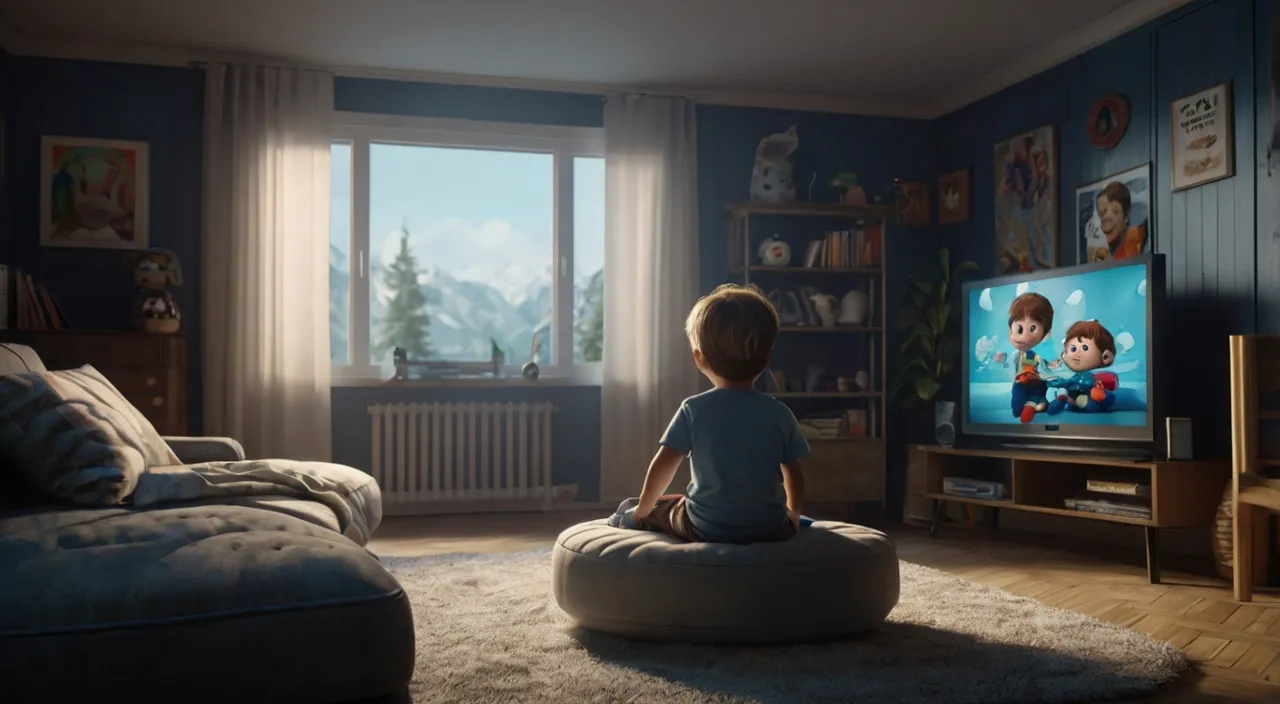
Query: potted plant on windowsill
x=930 y=320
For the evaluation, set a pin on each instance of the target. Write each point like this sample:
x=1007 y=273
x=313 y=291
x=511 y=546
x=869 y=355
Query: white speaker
x=944 y=422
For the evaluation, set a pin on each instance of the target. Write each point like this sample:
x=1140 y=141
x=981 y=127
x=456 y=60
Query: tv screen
x=1062 y=353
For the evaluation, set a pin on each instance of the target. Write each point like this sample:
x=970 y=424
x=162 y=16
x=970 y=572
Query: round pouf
x=830 y=580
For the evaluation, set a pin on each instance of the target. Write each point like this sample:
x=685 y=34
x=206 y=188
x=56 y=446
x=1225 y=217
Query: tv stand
x=1183 y=494
x=1118 y=452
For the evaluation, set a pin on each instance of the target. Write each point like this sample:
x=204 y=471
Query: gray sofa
x=251 y=599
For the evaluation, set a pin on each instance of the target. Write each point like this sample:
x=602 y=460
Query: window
x=448 y=237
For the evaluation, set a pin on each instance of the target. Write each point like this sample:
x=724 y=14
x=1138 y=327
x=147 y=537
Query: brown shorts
x=670 y=515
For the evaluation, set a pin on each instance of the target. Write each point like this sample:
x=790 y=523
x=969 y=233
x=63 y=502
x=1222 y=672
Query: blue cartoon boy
x=1088 y=347
x=1030 y=320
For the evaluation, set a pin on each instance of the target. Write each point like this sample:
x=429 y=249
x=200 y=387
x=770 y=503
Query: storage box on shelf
x=831 y=375
x=1154 y=494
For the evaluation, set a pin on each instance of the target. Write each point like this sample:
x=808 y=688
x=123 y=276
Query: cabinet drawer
x=845 y=471
x=123 y=349
x=138 y=383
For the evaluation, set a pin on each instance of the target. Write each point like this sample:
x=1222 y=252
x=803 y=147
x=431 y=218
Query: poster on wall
x=1202 y=148
x=1113 y=215
x=1026 y=188
x=93 y=193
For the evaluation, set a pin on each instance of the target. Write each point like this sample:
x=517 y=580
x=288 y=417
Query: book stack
x=819 y=428
x=35 y=306
x=845 y=249
x=1105 y=496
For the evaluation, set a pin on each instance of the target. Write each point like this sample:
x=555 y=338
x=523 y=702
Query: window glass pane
x=588 y=258
x=339 y=252
x=461 y=252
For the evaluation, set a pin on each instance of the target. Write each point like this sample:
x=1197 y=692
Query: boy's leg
x=670 y=516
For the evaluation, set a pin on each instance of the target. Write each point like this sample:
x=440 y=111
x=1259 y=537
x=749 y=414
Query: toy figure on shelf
x=1088 y=348
x=530 y=369
x=850 y=192
x=154 y=271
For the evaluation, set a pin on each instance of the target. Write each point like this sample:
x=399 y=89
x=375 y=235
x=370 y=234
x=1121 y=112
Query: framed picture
x=912 y=203
x=1114 y=216
x=955 y=193
x=1026 y=188
x=93 y=193
x=1202 y=148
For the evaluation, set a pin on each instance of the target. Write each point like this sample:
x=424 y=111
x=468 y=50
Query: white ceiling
x=914 y=58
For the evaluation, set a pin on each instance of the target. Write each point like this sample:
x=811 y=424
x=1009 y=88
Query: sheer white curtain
x=265 y=258
x=651 y=281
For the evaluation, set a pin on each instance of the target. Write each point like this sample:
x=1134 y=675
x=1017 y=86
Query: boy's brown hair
x=734 y=327
x=1117 y=192
x=1034 y=306
x=1092 y=330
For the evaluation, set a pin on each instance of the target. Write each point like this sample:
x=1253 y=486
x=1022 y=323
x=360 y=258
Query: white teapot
x=854 y=308
x=774 y=252
x=825 y=305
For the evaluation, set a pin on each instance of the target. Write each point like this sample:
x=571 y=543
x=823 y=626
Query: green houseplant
x=930 y=319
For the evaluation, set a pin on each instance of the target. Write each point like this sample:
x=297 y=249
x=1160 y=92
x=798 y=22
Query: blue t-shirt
x=737 y=440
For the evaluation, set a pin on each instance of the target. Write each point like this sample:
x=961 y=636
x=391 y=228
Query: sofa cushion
x=75 y=437
x=256 y=605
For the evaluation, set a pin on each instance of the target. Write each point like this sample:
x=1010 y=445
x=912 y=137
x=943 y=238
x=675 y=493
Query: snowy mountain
x=466 y=315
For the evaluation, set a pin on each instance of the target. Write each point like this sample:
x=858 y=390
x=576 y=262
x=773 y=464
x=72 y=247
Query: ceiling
x=910 y=58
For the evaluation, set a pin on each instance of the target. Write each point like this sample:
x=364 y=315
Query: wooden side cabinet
x=149 y=370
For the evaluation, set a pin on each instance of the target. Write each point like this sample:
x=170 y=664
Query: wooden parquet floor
x=1234 y=648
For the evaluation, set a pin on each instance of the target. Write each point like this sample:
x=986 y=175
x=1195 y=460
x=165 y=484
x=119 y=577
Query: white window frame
x=564 y=143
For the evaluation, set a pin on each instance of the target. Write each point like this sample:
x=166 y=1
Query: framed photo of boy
x=1113 y=215
x=1202 y=142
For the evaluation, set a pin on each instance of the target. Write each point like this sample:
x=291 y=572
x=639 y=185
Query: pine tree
x=405 y=321
x=590 y=316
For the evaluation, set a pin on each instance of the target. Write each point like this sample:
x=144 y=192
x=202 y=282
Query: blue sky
x=478 y=215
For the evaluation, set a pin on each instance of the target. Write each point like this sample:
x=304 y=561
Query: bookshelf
x=1255 y=457
x=834 y=250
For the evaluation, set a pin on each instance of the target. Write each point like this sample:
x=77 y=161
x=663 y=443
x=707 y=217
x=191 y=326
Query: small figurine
x=154 y=271
x=530 y=370
x=850 y=192
x=496 y=356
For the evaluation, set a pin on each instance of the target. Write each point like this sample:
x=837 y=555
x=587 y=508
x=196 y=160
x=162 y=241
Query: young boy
x=1030 y=320
x=1089 y=347
x=745 y=447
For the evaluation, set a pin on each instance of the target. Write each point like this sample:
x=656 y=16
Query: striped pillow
x=75 y=437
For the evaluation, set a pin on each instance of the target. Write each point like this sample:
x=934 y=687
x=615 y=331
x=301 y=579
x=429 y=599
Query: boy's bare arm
x=793 y=482
x=661 y=471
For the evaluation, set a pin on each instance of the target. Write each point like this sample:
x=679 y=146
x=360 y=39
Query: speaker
x=944 y=422
x=1177 y=437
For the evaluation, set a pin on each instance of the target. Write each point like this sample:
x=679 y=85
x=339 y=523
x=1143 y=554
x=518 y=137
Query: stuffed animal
x=771 y=177
x=154 y=271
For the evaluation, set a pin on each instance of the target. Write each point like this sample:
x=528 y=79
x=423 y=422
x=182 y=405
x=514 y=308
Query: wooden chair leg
x=1242 y=549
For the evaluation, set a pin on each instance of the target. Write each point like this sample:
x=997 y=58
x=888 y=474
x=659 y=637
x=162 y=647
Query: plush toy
x=154 y=271
x=771 y=177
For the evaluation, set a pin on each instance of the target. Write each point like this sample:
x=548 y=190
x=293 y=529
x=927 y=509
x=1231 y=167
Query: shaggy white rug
x=489 y=631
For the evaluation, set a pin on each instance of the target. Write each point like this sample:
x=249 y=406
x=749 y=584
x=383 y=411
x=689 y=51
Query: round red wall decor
x=1108 y=120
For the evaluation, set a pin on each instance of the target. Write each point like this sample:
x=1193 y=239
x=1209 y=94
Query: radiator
x=429 y=455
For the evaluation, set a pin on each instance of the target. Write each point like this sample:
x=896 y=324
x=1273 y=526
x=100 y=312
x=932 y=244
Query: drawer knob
x=157 y=401
x=151 y=381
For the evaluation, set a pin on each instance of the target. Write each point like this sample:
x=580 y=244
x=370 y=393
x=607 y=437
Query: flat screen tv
x=1063 y=353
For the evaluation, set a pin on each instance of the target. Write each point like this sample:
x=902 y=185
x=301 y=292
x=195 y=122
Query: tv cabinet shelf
x=1182 y=494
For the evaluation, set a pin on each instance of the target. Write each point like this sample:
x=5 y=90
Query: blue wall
x=161 y=106
x=1208 y=234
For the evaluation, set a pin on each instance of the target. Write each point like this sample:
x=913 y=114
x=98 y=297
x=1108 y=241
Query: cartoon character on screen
x=1030 y=320
x=1089 y=347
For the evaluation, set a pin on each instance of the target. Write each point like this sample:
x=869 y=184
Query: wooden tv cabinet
x=1184 y=494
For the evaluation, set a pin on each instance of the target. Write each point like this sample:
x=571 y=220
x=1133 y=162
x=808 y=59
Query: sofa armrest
x=197 y=450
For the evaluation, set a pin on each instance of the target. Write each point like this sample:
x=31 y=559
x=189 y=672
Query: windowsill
x=507 y=383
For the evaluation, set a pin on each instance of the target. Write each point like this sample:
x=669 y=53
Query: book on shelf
x=36 y=308
x=1112 y=487
x=1108 y=507
x=845 y=249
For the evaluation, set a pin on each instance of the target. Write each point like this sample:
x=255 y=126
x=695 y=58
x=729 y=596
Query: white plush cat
x=771 y=177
